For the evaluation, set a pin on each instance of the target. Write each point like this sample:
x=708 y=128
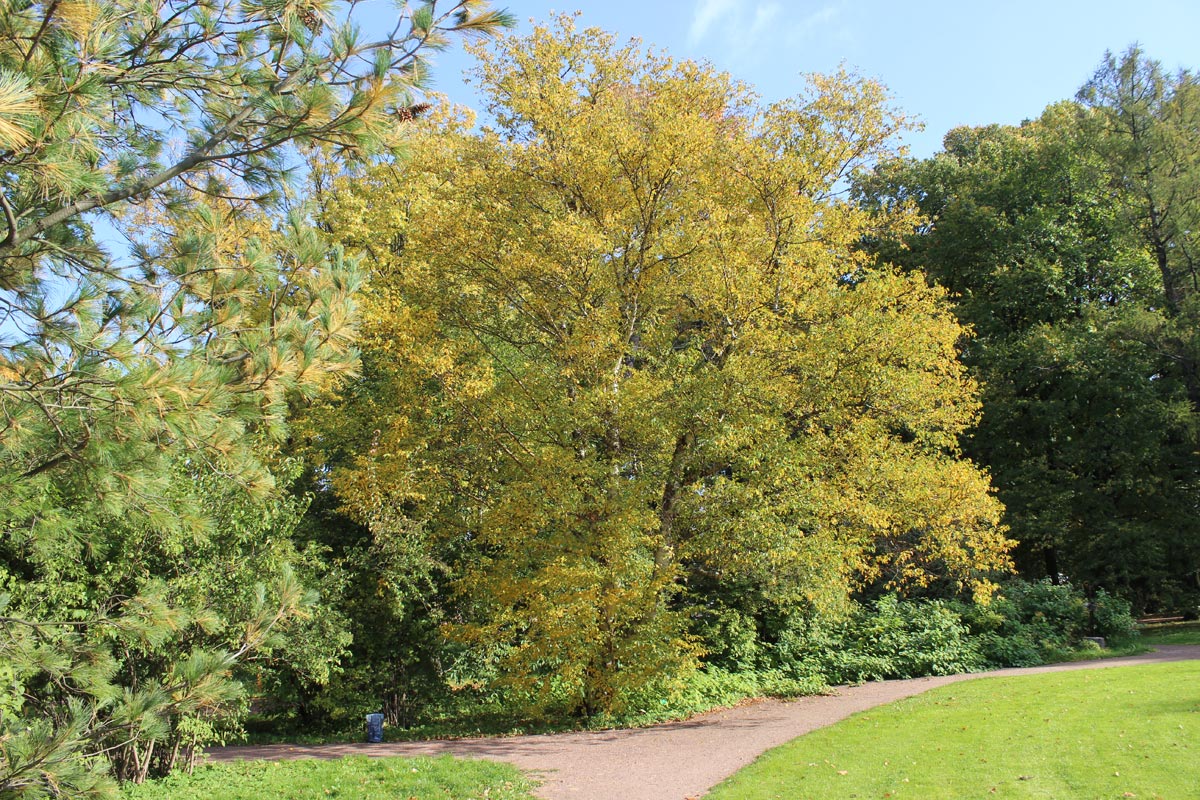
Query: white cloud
x=747 y=30
x=765 y=15
x=708 y=12
x=816 y=22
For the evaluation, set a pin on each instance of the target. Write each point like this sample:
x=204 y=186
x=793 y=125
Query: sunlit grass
x=349 y=778
x=1176 y=633
x=1125 y=732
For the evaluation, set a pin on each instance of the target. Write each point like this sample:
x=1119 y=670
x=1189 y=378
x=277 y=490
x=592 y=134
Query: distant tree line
x=1069 y=246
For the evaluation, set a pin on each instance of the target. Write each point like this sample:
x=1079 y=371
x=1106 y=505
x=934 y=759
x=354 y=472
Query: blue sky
x=970 y=62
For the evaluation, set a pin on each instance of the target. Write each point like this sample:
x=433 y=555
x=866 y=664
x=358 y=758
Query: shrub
x=905 y=639
x=1112 y=617
x=1031 y=623
x=1028 y=624
x=713 y=686
x=730 y=638
x=891 y=638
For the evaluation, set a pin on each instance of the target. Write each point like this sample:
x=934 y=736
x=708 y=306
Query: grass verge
x=709 y=690
x=1172 y=633
x=351 y=778
x=1118 y=649
x=1092 y=735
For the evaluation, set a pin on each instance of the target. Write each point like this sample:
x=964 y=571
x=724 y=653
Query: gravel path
x=677 y=760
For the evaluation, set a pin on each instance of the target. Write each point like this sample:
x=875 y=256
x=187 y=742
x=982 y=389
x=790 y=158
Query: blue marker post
x=374 y=728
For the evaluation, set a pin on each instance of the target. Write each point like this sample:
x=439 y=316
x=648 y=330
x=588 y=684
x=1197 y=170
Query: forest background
x=637 y=397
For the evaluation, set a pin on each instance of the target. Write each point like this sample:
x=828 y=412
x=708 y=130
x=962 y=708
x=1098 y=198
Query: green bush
x=891 y=638
x=730 y=636
x=1013 y=650
x=712 y=687
x=1027 y=624
x=1060 y=609
x=1112 y=617
x=1031 y=623
x=908 y=639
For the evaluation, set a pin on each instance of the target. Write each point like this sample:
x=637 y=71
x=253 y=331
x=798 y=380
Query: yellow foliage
x=627 y=337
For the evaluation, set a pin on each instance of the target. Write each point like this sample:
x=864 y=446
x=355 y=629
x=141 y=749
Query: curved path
x=676 y=760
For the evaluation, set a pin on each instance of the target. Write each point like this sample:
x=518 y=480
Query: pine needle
x=78 y=17
x=488 y=23
x=17 y=104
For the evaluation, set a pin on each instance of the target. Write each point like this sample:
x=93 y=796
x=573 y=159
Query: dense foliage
x=161 y=307
x=623 y=363
x=1068 y=246
x=642 y=399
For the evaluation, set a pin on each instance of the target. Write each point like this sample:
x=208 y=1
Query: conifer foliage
x=160 y=305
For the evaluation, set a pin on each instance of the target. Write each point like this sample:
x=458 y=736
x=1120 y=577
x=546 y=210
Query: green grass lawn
x=1124 y=732
x=353 y=778
x=1172 y=633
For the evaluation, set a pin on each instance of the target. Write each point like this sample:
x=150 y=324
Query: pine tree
x=161 y=302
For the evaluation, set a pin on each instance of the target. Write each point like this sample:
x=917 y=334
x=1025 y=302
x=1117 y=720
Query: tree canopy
x=164 y=298
x=1065 y=243
x=623 y=350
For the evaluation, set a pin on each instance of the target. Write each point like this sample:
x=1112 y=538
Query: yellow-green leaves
x=626 y=345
